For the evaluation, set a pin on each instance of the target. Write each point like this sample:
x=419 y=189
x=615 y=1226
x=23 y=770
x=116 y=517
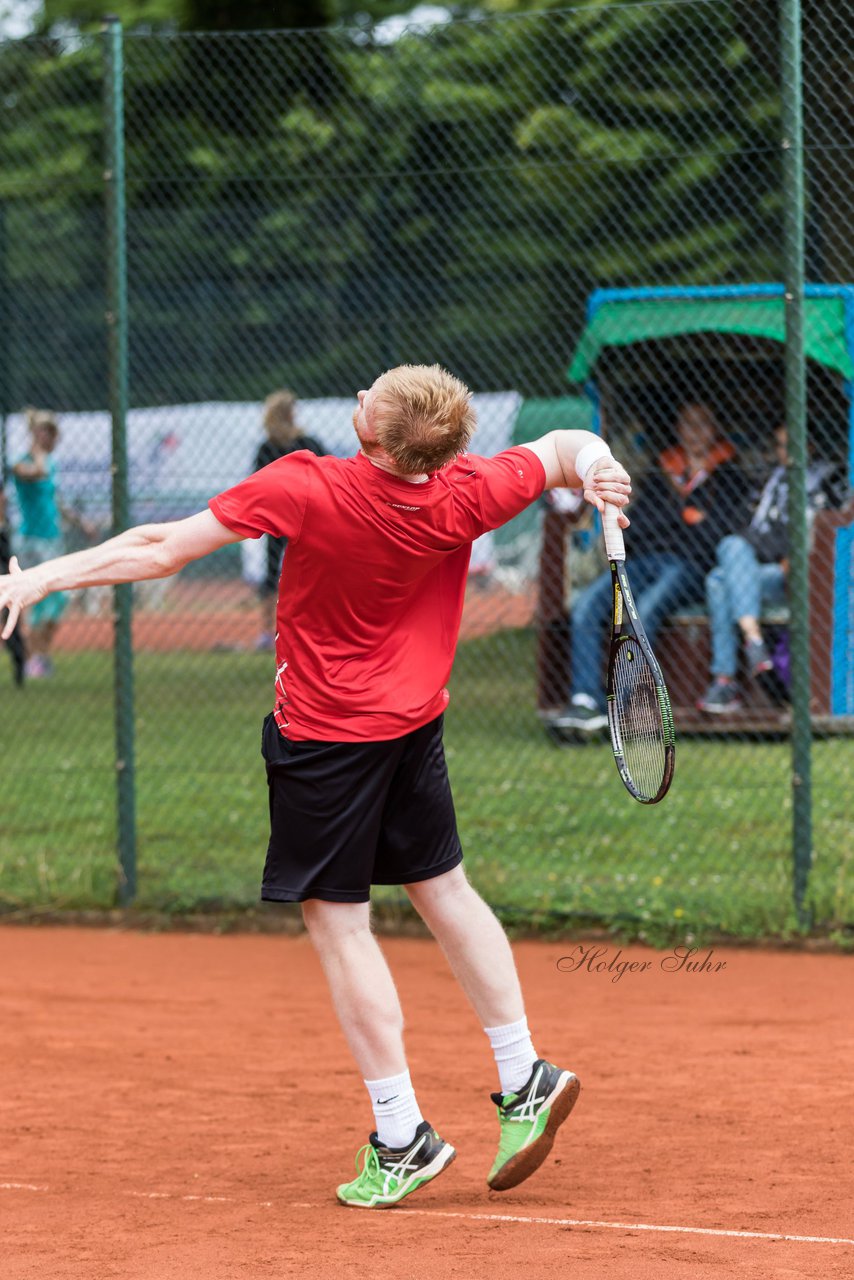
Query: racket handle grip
x=615 y=548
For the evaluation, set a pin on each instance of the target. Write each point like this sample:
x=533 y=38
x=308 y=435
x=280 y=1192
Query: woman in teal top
x=40 y=535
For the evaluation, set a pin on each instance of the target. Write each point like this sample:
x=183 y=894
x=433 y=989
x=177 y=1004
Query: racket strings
x=637 y=719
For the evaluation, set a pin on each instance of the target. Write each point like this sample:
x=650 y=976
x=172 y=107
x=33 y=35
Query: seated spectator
x=15 y=643
x=283 y=436
x=686 y=506
x=750 y=575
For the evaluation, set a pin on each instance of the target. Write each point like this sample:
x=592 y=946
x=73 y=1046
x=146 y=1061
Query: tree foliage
x=311 y=206
x=214 y=15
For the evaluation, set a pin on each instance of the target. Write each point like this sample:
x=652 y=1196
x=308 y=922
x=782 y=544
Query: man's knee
x=331 y=922
x=441 y=893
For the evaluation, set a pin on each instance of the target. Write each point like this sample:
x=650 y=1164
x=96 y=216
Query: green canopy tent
x=622 y=317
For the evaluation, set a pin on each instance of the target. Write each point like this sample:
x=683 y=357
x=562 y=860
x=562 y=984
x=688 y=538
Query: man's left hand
x=608 y=481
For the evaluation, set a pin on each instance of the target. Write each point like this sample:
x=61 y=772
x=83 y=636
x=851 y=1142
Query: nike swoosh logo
x=382 y=1101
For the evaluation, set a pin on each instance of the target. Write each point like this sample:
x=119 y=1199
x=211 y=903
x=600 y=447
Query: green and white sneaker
x=529 y=1121
x=387 y=1175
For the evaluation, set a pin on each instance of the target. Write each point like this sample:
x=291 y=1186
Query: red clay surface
x=203 y=616
x=181 y=1106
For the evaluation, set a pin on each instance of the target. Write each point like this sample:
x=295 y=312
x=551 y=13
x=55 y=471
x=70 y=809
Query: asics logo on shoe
x=526 y=1108
x=407 y=1164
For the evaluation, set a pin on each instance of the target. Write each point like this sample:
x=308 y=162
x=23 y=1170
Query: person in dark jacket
x=15 y=643
x=283 y=437
x=694 y=497
x=750 y=574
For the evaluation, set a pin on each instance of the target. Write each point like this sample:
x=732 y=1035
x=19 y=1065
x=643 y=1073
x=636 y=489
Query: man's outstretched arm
x=149 y=551
x=581 y=460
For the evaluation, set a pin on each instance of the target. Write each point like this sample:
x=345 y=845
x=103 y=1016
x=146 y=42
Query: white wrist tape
x=588 y=454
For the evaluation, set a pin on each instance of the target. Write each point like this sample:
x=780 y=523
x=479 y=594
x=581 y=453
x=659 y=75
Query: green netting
x=620 y=323
x=306 y=208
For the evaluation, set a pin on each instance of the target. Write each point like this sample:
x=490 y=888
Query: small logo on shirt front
x=402 y=507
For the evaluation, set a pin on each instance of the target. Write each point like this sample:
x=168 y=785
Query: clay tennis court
x=180 y=1106
x=197 y=616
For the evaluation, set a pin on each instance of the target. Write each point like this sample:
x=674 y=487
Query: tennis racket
x=640 y=717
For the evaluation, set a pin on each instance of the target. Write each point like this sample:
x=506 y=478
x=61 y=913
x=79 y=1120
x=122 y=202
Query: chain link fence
x=580 y=212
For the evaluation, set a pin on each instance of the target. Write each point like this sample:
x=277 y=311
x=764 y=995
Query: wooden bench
x=683 y=645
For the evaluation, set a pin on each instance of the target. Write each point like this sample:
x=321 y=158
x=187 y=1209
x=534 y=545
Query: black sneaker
x=388 y=1175
x=758 y=657
x=582 y=715
x=721 y=697
x=529 y=1121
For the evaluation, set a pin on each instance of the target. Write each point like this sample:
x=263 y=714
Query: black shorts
x=346 y=815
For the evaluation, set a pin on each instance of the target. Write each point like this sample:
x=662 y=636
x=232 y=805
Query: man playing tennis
x=374 y=579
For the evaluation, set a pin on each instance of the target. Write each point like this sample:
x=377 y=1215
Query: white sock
x=396 y=1110
x=514 y=1054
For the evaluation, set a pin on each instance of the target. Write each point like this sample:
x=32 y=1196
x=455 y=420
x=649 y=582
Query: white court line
x=626 y=1226
x=170 y=1195
x=493 y=1217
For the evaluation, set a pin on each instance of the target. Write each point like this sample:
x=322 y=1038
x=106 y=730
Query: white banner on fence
x=180 y=455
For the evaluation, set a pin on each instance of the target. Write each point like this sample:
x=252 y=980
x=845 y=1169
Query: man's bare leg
x=536 y=1096
x=475 y=944
x=363 y=991
x=407 y=1152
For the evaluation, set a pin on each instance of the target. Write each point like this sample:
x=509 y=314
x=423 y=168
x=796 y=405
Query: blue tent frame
x=842 y=644
x=690 y=293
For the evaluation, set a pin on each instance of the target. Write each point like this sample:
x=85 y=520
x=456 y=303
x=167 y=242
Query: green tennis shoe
x=529 y=1121
x=387 y=1176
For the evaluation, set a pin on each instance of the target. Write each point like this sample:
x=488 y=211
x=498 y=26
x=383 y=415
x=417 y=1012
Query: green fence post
x=796 y=422
x=117 y=330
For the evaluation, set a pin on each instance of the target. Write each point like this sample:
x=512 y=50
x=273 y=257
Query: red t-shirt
x=373 y=582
